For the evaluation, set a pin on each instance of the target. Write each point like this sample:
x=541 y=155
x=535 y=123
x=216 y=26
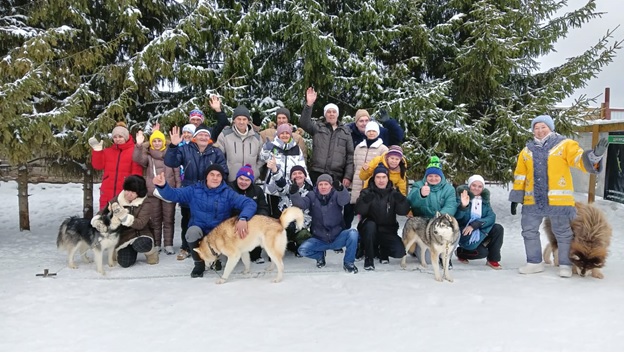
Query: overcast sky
x=580 y=39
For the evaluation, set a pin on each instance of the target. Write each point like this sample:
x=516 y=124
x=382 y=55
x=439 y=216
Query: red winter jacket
x=116 y=161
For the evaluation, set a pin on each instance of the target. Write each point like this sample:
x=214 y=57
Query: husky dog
x=592 y=236
x=263 y=231
x=438 y=234
x=77 y=234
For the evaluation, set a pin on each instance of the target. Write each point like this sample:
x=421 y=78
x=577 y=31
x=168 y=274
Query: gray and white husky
x=438 y=234
x=77 y=235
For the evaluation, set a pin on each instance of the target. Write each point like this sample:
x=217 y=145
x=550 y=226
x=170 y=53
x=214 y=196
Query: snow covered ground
x=160 y=308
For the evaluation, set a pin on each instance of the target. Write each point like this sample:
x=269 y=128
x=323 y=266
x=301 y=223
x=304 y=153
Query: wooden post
x=22 y=197
x=607 y=104
x=591 y=193
x=87 y=192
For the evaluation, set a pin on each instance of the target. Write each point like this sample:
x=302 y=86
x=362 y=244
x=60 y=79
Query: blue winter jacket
x=326 y=212
x=195 y=163
x=209 y=206
x=488 y=217
x=390 y=133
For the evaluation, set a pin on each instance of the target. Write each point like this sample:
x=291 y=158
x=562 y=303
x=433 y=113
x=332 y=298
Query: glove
x=256 y=118
x=514 y=206
x=120 y=212
x=99 y=225
x=383 y=116
x=476 y=225
x=294 y=188
x=474 y=237
x=337 y=185
x=601 y=147
x=95 y=145
x=268 y=146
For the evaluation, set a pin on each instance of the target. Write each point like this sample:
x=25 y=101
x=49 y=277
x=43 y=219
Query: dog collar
x=212 y=250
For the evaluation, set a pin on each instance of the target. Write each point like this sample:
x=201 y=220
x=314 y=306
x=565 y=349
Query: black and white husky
x=438 y=234
x=78 y=235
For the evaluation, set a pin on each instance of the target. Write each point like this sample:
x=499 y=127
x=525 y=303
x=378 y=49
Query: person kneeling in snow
x=133 y=210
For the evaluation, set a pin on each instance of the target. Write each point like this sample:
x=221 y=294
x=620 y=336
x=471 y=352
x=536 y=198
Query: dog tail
x=292 y=214
x=62 y=232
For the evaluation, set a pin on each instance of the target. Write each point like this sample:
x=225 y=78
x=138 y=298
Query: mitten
x=294 y=188
x=514 y=206
x=99 y=225
x=96 y=145
x=383 y=116
x=601 y=147
x=268 y=146
x=476 y=225
x=337 y=185
x=256 y=118
x=119 y=212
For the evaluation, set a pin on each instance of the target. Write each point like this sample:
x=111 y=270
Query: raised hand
x=159 y=179
x=425 y=190
x=175 y=136
x=156 y=126
x=310 y=96
x=601 y=147
x=346 y=182
x=96 y=145
x=465 y=198
x=140 y=138
x=272 y=164
x=215 y=103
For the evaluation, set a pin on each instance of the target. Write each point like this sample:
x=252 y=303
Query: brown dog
x=592 y=236
x=263 y=231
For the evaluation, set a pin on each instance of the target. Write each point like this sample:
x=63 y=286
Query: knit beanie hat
x=544 y=119
x=372 y=126
x=189 y=128
x=475 y=178
x=241 y=111
x=361 y=113
x=395 y=150
x=283 y=111
x=324 y=177
x=246 y=171
x=330 y=106
x=121 y=129
x=157 y=134
x=434 y=167
x=380 y=169
x=197 y=114
x=284 y=128
x=298 y=168
x=200 y=129
x=215 y=167
x=136 y=184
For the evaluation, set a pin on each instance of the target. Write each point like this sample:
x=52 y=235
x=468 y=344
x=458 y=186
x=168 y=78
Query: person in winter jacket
x=379 y=204
x=328 y=230
x=211 y=203
x=196 y=157
x=481 y=237
x=395 y=162
x=116 y=161
x=282 y=116
x=132 y=210
x=240 y=143
x=389 y=131
x=244 y=185
x=432 y=194
x=151 y=155
x=280 y=155
x=332 y=146
x=363 y=154
x=543 y=185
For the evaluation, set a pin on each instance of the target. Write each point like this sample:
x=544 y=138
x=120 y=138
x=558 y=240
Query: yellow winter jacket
x=561 y=158
x=395 y=176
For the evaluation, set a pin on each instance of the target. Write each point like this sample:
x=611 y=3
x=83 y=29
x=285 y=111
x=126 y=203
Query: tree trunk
x=87 y=193
x=22 y=197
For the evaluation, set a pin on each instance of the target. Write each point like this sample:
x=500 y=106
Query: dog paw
x=277 y=280
x=449 y=278
x=220 y=281
x=597 y=274
x=245 y=271
x=438 y=278
x=72 y=266
x=112 y=265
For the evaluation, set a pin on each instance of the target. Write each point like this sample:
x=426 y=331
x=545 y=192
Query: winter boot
x=350 y=268
x=216 y=265
x=200 y=265
x=531 y=268
x=320 y=263
x=369 y=263
x=152 y=256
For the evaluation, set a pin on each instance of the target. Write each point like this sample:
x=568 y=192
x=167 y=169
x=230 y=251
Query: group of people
x=355 y=169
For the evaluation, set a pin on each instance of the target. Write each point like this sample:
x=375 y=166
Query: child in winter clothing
x=480 y=236
x=151 y=155
x=396 y=164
